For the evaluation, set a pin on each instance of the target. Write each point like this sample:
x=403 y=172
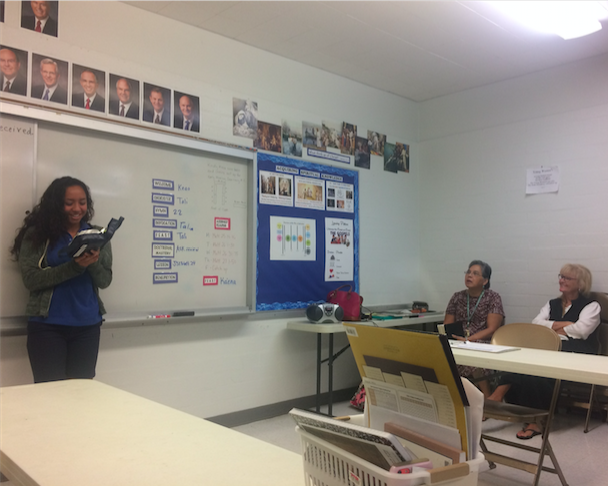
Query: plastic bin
x=328 y=465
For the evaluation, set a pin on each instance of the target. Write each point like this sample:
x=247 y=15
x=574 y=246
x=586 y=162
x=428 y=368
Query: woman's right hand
x=87 y=258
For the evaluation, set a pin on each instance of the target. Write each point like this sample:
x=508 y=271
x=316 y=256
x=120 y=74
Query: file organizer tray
x=328 y=465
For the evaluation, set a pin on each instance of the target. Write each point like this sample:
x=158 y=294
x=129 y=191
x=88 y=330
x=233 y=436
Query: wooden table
x=331 y=329
x=86 y=433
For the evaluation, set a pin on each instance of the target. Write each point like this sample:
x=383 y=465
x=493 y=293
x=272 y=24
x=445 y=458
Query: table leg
x=319 y=360
x=331 y=374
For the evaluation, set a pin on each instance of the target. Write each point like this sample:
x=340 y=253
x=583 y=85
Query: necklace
x=470 y=314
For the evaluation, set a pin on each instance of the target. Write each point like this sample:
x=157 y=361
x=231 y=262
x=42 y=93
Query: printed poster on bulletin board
x=307 y=231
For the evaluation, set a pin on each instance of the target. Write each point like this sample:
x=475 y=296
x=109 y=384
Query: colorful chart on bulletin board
x=307 y=231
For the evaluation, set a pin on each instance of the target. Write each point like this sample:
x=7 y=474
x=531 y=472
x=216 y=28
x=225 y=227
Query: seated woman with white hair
x=575 y=317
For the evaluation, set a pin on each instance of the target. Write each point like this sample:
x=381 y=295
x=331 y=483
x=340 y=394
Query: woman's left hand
x=87 y=258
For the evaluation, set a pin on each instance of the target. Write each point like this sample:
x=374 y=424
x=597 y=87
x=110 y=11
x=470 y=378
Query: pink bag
x=349 y=301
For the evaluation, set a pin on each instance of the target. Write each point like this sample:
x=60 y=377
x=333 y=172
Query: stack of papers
x=489 y=348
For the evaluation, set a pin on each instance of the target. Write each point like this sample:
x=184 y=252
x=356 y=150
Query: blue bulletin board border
x=283 y=285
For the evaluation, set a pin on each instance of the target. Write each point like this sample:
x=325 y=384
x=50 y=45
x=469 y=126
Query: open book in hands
x=92 y=239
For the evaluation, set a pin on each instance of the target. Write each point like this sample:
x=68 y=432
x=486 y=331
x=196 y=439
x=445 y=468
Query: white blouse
x=588 y=320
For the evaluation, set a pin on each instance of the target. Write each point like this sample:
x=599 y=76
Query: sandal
x=527 y=429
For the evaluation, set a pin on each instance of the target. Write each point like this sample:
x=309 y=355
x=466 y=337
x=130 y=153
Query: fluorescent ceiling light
x=566 y=19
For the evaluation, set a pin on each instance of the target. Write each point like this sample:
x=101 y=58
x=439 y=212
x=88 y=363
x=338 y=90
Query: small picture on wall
x=88 y=88
x=1 y=10
x=49 y=79
x=187 y=112
x=331 y=134
x=396 y=157
x=312 y=136
x=245 y=116
x=347 y=143
x=291 y=133
x=124 y=97
x=157 y=105
x=13 y=64
x=376 y=142
x=362 y=153
x=40 y=17
x=269 y=137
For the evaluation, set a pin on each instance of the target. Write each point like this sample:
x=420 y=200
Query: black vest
x=587 y=346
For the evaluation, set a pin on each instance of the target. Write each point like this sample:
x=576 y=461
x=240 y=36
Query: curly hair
x=48 y=218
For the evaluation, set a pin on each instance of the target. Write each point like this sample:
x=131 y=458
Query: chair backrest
x=526 y=335
x=602 y=330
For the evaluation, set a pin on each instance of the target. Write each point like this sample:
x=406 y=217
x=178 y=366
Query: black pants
x=537 y=391
x=60 y=352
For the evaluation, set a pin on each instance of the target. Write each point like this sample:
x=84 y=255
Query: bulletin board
x=307 y=231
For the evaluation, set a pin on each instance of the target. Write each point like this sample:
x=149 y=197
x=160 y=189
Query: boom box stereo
x=324 y=313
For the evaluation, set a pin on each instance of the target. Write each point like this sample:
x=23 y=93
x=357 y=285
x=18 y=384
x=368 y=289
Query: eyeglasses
x=563 y=277
x=475 y=274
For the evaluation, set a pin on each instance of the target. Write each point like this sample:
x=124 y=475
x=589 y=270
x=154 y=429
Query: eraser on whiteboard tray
x=183 y=314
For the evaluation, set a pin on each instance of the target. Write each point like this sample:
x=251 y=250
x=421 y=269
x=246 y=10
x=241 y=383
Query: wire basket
x=328 y=465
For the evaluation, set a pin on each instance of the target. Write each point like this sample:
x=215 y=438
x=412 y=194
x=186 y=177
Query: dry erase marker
x=160 y=316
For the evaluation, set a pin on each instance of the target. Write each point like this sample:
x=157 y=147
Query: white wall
x=210 y=369
x=475 y=149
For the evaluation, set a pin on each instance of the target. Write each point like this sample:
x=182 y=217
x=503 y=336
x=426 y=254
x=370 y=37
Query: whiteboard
x=17 y=193
x=183 y=244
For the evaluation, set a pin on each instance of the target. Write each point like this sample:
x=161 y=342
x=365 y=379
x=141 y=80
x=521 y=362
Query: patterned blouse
x=490 y=303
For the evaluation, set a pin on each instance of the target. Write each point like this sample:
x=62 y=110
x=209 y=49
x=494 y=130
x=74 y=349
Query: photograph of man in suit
x=88 y=96
x=49 y=84
x=40 y=17
x=13 y=79
x=124 y=99
x=187 y=117
x=157 y=108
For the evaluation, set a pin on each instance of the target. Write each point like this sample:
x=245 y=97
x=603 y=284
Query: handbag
x=350 y=302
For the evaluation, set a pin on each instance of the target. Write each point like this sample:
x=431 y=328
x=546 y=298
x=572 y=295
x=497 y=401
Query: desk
x=582 y=368
x=331 y=329
x=83 y=432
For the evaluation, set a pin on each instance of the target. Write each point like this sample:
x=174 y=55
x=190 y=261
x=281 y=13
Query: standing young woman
x=64 y=307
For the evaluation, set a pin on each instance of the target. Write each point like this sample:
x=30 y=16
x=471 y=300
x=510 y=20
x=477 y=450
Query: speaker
x=324 y=313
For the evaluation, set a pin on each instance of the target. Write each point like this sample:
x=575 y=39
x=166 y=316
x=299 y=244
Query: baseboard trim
x=243 y=417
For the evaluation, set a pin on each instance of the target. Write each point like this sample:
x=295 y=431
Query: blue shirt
x=74 y=302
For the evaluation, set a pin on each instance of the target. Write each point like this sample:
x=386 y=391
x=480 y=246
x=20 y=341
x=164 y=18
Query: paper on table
x=445 y=405
x=489 y=348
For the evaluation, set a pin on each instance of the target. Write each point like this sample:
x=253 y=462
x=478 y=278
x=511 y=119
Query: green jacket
x=40 y=279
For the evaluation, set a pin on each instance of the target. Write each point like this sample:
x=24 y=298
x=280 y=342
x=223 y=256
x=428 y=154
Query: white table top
x=83 y=432
x=582 y=368
x=307 y=326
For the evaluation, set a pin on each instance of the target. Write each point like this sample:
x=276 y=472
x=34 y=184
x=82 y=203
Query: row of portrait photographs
x=50 y=83
x=40 y=17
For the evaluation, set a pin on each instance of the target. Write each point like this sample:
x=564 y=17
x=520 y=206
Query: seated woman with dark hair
x=480 y=311
x=574 y=317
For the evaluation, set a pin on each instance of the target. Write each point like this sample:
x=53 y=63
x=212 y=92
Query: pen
x=160 y=316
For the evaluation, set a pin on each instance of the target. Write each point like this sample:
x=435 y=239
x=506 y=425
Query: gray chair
x=524 y=335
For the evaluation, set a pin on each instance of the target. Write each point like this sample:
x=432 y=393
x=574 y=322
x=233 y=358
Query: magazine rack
x=327 y=465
